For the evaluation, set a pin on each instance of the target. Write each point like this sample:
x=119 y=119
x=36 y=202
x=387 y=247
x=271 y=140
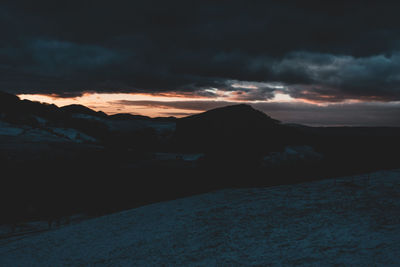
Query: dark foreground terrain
x=349 y=221
x=56 y=162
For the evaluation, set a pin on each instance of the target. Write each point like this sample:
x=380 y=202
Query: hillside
x=41 y=122
x=231 y=128
x=345 y=221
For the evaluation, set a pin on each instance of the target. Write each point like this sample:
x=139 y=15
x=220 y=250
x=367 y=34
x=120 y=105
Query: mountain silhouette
x=128 y=117
x=25 y=112
x=232 y=128
x=121 y=168
x=81 y=109
x=7 y=100
x=239 y=114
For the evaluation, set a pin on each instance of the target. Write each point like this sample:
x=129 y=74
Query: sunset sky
x=310 y=62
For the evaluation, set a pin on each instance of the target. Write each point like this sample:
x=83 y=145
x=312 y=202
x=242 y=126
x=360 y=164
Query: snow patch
x=322 y=223
x=293 y=153
x=73 y=135
x=7 y=129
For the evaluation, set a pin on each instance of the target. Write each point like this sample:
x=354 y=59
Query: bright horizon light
x=109 y=102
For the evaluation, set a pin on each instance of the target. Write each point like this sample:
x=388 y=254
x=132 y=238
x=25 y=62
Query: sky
x=310 y=62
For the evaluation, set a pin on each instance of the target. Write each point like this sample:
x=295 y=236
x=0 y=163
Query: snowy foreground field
x=347 y=222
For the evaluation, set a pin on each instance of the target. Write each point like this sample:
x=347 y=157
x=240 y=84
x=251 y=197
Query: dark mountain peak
x=231 y=108
x=80 y=109
x=238 y=106
x=7 y=100
x=128 y=116
x=7 y=96
x=165 y=119
x=24 y=112
x=231 y=128
x=241 y=113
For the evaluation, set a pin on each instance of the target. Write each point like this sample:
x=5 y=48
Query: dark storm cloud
x=338 y=77
x=319 y=50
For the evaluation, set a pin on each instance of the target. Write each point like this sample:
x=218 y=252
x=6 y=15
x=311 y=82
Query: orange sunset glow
x=110 y=103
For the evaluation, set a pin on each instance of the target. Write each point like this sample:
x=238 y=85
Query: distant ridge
x=7 y=98
x=128 y=116
x=235 y=112
x=236 y=127
x=124 y=128
x=81 y=109
x=12 y=105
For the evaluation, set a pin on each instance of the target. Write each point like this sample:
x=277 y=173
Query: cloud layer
x=319 y=51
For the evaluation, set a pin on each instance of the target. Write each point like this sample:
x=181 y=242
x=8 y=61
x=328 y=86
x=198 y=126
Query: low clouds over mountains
x=317 y=51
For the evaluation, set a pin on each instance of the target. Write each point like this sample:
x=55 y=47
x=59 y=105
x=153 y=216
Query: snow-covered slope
x=9 y=130
x=44 y=134
x=350 y=221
